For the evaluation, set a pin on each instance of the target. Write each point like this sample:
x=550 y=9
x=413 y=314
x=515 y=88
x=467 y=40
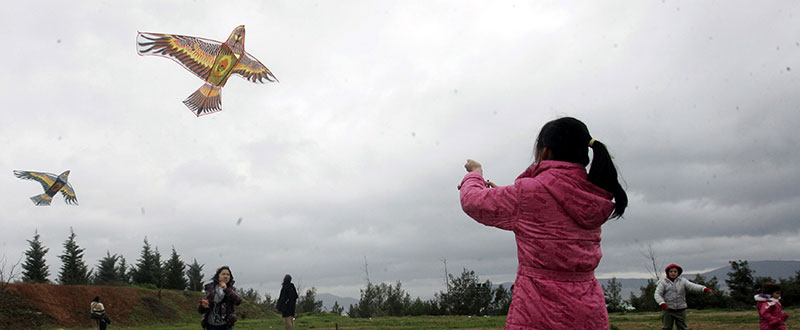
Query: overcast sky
x=356 y=154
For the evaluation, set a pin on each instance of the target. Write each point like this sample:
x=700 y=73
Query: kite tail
x=205 y=100
x=42 y=199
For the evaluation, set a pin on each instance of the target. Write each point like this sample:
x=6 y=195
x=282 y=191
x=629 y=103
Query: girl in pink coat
x=555 y=210
x=770 y=311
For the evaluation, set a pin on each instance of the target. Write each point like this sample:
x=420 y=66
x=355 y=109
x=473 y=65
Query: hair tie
x=591 y=142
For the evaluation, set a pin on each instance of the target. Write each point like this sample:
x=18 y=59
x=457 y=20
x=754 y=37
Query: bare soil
x=43 y=306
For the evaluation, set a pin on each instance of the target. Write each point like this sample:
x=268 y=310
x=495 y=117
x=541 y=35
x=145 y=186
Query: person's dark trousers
x=676 y=316
x=218 y=327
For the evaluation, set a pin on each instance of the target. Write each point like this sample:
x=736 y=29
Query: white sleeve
x=691 y=286
x=659 y=294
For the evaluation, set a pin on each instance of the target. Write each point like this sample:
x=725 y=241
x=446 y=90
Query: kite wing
x=195 y=54
x=251 y=69
x=46 y=179
x=69 y=194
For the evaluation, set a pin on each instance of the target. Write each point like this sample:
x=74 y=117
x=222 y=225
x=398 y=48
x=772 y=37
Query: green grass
x=329 y=321
x=701 y=319
x=705 y=319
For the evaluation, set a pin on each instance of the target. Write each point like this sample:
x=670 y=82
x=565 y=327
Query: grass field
x=699 y=320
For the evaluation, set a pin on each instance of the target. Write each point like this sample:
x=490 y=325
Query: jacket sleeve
x=232 y=296
x=281 y=298
x=495 y=207
x=201 y=309
x=691 y=286
x=659 y=294
x=766 y=314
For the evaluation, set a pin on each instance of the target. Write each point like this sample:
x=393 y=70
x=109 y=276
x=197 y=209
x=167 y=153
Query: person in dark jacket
x=219 y=299
x=287 y=301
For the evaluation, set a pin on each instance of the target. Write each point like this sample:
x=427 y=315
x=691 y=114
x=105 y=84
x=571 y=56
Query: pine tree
x=195 y=276
x=740 y=283
x=35 y=269
x=148 y=268
x=645 y=302
x=107 y=270
x=309 y=303
x=123 y=272
x=174 y=272
x=73 y=269
x=613 y=297
x=336 y=309
x=158 y=272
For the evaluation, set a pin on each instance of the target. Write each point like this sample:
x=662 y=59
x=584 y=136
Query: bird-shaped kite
x=211 y=60
x=52 y=184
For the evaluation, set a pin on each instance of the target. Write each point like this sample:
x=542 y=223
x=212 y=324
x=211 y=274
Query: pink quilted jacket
x=556 y=215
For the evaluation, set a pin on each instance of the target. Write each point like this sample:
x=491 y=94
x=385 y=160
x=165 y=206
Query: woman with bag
x=97 y=312
x=219 y=301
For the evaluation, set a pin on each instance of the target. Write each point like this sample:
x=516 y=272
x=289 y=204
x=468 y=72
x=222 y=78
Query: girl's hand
x=204 y=303
x=473 y=166
x=223 y=285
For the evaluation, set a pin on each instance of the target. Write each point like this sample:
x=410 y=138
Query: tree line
x=742 y=286
x=464 y=295
x=113 y=269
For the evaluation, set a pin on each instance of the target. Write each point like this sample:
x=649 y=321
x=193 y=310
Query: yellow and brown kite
x=211 y=60
x=51 y=184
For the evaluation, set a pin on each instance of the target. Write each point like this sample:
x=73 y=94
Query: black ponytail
x=603 y=174
x=568 y=140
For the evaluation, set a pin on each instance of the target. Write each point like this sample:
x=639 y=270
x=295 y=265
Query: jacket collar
x=544 y=165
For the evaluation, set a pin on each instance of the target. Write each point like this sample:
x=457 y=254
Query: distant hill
x=328 y=300
x=776 y=269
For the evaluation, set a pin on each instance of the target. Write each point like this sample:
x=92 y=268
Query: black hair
x=287 y=279
x=219 y=270
x=770 y=288
x=96 y=299
x=568 y=140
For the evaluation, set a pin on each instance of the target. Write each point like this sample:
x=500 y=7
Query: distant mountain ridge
x=328 y=300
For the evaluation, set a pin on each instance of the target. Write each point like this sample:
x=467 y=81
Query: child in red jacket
x=770 y=311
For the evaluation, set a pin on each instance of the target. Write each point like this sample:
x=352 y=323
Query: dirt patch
x=34 y=306
x=68 y=305
x=17 y=313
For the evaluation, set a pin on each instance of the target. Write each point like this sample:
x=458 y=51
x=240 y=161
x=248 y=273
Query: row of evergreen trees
x=742 y=286
x=465 y=295
x=149 y=271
